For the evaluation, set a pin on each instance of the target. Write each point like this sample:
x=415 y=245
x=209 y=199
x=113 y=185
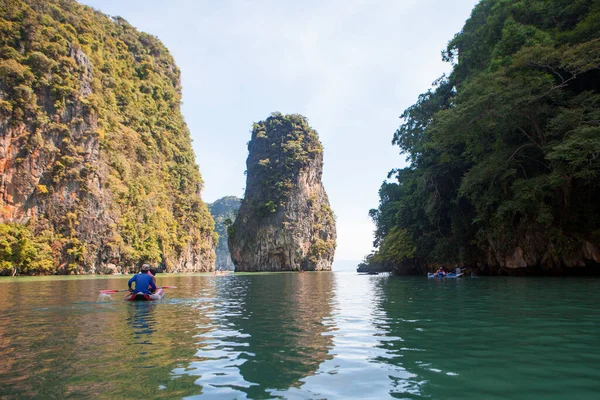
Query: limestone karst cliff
x=285 y=222
x=224 y=212
x=98 y=172
x=504 y=151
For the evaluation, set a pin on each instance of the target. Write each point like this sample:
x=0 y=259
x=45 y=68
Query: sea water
x=302 y=336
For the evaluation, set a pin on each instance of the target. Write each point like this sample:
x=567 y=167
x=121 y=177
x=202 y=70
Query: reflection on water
x=142 y=322
x=302 y=336
x=266 y=333
x=496 y=338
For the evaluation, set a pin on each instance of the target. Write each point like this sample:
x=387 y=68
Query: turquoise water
x=303 y=336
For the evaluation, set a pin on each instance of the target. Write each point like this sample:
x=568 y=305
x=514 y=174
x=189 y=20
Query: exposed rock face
x=285 y=222
x=96 y=161
x=532 y=251
x=224 y=211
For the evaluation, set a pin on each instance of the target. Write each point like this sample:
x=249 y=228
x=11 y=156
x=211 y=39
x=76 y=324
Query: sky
x=350 y=66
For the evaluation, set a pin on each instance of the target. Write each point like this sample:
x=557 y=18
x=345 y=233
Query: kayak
x=159 y=294
x=430 y=275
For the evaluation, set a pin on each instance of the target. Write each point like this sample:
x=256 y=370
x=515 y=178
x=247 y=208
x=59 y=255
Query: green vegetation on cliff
x=280 y=146
x=99 y=161
x=505 y=152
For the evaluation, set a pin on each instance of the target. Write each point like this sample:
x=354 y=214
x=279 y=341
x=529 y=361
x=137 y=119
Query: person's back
x=142 y=282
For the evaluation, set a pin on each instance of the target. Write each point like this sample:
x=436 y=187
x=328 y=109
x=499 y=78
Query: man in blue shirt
x=143 y=282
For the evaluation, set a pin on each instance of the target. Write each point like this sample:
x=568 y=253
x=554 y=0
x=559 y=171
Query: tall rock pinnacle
x=285 y=222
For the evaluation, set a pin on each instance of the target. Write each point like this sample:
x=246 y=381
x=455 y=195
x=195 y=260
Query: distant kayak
x=159 y=294
x=431 y=275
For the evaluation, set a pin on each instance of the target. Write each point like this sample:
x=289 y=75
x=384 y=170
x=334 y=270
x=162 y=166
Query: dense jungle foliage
x=505 y=151
x=97 y=104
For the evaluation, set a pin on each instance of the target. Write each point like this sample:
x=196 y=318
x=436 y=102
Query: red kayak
x=159 y=294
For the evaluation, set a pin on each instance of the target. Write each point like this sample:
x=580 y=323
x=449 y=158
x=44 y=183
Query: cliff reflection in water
x=271 y=328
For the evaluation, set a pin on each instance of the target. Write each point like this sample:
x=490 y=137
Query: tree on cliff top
x=505 y=151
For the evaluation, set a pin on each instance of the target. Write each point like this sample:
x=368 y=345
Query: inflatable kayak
x=159 y=294
x=430 y=275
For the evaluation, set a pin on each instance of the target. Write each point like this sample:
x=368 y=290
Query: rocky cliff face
x=285 y=222
x=224 y=211
x=98 y=172
x=532 y=252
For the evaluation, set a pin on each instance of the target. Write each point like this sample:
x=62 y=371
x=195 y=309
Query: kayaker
x=440 y=272
x=144 y=282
